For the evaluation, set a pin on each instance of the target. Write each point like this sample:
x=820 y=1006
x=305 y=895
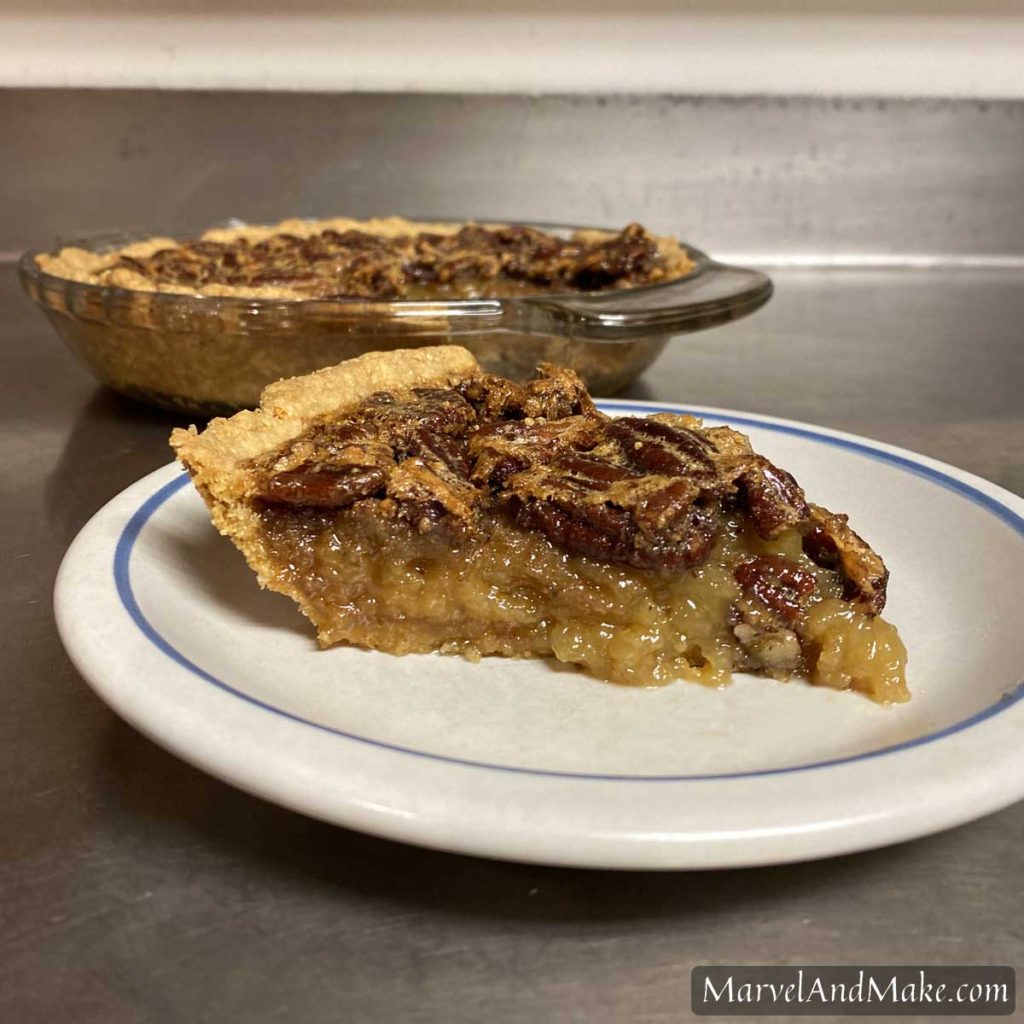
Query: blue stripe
x=130 y=534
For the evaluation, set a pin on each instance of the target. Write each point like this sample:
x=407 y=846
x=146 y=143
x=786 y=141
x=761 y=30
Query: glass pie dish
x=208 y=355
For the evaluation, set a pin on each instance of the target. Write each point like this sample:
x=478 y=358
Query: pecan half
x=773 y=498
x=323 y=486
x=777 y=582
x=831 y=543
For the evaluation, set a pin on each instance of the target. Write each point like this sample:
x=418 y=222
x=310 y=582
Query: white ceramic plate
x=527 y=761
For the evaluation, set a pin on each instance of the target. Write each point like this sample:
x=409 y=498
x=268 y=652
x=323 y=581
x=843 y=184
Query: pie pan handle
x=712 y=293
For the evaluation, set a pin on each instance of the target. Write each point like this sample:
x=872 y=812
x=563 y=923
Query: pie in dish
x=385 y=259
x=409 y=503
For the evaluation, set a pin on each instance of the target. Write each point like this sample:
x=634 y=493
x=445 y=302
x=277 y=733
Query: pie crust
x=381 y=259
x=409 y=502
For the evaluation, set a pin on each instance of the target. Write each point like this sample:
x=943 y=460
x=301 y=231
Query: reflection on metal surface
x=814 y=178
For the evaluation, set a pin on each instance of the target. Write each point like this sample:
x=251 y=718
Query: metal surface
x=135 y=888
x=780 y=177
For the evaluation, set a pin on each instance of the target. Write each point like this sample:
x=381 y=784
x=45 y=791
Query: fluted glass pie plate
x=527 y=760
x=209 y=355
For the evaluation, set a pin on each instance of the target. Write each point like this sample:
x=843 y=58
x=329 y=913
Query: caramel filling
x=369 y=580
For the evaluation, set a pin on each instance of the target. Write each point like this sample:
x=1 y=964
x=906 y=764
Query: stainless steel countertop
x=135 y=888
x=791 y=176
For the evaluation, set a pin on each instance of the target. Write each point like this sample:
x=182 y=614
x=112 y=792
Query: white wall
x=870 y=47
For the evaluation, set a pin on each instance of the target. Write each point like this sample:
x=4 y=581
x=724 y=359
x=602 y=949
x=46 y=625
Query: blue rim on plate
x=133 y=528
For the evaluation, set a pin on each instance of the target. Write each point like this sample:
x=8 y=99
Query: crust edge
x=217 y=457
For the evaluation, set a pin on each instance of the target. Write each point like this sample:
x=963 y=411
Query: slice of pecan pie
x=409 y=502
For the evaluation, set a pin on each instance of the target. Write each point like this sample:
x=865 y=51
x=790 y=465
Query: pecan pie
x=409 y=502
x=383 y=259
